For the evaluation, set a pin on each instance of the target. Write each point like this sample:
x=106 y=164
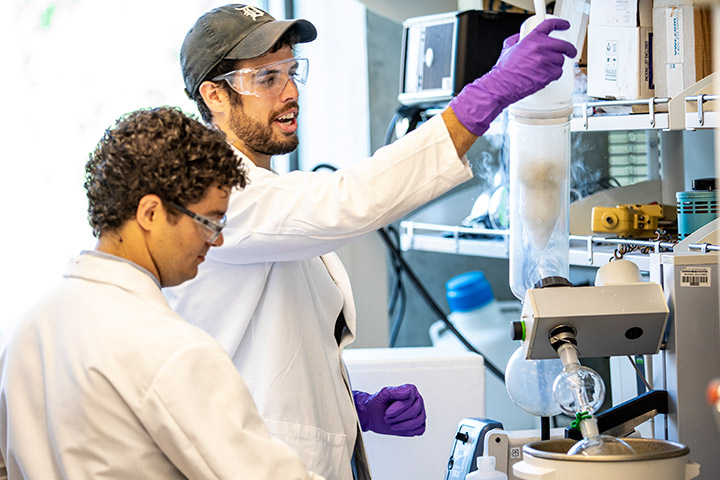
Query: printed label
x=673 y=28
x=611 y=60
x=695 y=277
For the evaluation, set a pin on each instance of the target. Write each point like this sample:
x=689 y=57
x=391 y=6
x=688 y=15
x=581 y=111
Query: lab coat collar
x=101 y=267
x=247 y=163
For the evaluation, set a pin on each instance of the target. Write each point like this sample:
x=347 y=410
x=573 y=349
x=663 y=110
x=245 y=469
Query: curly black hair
x=159 y=151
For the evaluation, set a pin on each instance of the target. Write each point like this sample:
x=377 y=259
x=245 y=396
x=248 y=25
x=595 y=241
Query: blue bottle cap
x=468 y=291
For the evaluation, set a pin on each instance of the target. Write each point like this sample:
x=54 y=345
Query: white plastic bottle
x=477 y=316
x=486 y=470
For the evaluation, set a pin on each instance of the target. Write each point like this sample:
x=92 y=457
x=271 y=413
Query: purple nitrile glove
x=524 y=67
x=393 y=411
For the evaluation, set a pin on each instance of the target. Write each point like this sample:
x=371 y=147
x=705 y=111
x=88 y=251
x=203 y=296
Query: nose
x=218 y=241
x=290 y=92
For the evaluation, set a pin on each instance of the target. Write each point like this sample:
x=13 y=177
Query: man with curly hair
x=101 y=379
x=275 y=295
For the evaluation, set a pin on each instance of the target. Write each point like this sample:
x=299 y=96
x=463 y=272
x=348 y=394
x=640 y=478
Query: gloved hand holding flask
x=395 y=410
x=524 y=67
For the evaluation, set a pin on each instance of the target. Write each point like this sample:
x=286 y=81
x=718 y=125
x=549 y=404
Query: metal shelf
x=590 y=117
x=430 y=237
x=589 y=120
x=586 y=251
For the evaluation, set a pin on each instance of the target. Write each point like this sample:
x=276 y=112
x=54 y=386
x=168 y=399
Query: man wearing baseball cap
x=275 y=295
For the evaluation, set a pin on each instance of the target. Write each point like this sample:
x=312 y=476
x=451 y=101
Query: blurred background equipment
x=633 y=220
x=696 y=207
x=442 y=53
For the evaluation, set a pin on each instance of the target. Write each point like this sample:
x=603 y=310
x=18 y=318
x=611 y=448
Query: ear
x=215 y=98
x=149 y=210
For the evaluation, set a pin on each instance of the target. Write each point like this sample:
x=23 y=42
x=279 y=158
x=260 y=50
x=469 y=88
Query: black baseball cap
x=232 y=32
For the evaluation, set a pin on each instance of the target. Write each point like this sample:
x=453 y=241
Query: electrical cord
x=398 y=297
x=433 y=305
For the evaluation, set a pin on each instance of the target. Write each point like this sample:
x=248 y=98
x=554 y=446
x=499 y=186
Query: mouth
x=287 y=121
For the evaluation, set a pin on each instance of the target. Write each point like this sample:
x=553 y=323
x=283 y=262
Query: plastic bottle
x=486 y=470
x=539 y=133
x=477 y=316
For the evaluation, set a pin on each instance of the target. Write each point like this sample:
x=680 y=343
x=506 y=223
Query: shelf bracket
x=456 y=238
x=590 y=250
x=411 y=236
x=701 y=113
x=651 y=111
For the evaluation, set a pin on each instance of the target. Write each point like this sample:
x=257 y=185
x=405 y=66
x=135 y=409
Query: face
x=182 y=245
x=267 y=125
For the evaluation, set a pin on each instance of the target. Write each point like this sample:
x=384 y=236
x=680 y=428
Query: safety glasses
x=209 y=229
x=268 y=80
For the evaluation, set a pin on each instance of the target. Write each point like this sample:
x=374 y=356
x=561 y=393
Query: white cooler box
x=453 y=387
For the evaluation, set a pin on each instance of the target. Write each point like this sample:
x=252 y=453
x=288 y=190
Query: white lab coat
x=103 y=380
x=272 y=293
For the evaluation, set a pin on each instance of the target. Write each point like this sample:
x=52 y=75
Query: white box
x=453 y=387
x=621 y=13
x=682 y=53
x=620 y=62
x=620 y=52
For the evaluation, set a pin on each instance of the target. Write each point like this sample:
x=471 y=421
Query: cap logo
x=252 y=12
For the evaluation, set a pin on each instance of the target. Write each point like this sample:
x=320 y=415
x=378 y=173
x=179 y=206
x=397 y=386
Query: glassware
x=579 y=392
x=529 y=383
x=539 y=134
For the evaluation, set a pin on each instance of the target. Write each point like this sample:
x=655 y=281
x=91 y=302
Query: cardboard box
x=620 y=62
x=620 y=52
x=682 y=45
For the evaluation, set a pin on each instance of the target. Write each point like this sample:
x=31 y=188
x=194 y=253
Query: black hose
x=434 y=306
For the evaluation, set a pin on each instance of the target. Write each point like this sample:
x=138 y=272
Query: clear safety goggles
x=210 y=230
x=268 y=80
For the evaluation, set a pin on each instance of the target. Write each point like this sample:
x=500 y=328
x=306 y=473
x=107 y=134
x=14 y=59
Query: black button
x=462 y=436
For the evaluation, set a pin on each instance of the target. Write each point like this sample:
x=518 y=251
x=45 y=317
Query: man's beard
x=259 y=136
